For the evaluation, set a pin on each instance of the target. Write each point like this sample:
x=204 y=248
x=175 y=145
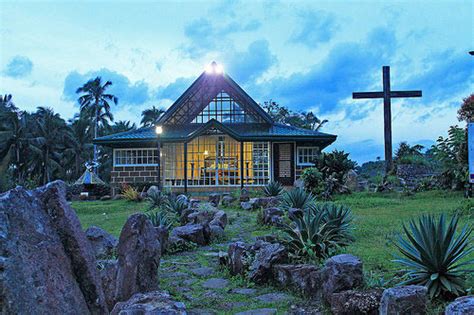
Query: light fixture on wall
x=206 y=152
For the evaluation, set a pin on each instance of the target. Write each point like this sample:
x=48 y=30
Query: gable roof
x=202 y=91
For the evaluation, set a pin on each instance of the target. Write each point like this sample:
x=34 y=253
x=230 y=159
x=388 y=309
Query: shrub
x=297 y=198
x=313 y=180
x=273 y=189
x=336 y=163
x=319 y=232
x=130 y=193
x=433 y=254
x=466 y=207
x=156 y=199
x=176 y=205
x=159 y=218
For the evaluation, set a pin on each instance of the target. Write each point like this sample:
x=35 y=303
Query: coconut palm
x=151 y=116
x=95 y=104
x=312 y=121
x=79 y=148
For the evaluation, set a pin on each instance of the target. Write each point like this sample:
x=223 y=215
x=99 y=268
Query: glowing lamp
x=159 y=130
x=214 y=68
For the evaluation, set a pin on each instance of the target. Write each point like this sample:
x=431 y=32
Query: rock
x=411 y=299
x=244 y=291
x=176 y=244
x=266 y=202
x=246 y=205
x=105 y=198
x=294 y=213
x=214 y=199
x=200 y=217
x=183 y=219
x=272 y=215
x=138 y=253
x=155 y=302
x=203 y=271
x=162 y=234
x=102 y=242
x=351 y=180
x=215 y=283
x=259 y=311
x=267 y=255
x=216 y=232
x=340 y=273
x=227 y=200
x=356 y=302
x=461 y=306
x=244 y=195
x=304 y=278
x=191 y=232
x=153 y=190
x=237 y=258
x=108 y=276
x=47 y=265
x=194 y=203
x=273 y=297
x=220 y=218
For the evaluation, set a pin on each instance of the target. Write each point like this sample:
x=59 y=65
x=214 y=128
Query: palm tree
x=312 y=121
x=95 y=104
x=151 y=116
x=122 y=126
x=79 y=148
x=6 y=103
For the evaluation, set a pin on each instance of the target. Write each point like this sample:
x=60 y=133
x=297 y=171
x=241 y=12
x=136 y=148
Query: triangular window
x=226 y=110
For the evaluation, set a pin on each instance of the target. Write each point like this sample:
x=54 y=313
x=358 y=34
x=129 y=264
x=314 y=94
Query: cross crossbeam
x=387 y=95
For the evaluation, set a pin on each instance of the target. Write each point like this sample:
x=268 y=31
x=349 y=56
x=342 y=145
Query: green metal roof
x=241 y=132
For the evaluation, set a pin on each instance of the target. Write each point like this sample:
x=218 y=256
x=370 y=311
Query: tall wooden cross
x=387 y=95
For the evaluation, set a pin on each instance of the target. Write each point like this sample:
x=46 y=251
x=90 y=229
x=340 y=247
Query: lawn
x=377 y=219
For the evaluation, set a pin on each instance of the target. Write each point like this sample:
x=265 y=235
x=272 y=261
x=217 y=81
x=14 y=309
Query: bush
x=175 y=205
x=273 y=189
x=433 y=255
x=297 y=198
x=156 y=199
x=336 y=163
x=313 y=180
x=321 y=230
x=130 y=193
x=159 y=218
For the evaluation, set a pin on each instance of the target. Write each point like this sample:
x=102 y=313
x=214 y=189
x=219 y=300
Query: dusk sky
x=305 y=55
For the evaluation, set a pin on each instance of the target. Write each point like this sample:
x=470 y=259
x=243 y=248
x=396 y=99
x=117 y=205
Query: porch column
x=241 y=164
x=185 y=167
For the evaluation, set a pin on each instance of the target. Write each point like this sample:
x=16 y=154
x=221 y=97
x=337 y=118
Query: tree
x=281 y=114
x=312 y=121
x=79 y=149
x=151 y=116
x=95 y=104
x=466 y=112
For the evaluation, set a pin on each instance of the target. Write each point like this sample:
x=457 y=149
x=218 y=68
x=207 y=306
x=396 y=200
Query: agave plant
x=434 y=254
x=319 y=231
x=273 y=189
x=159 y=218
x=176 y=205
x=297 y=198
x=156 y=199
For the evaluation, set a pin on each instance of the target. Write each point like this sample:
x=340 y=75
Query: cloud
x=316 y=27
x=248 y=65
x=174 y=90
x=126 y=91
x=18 y=67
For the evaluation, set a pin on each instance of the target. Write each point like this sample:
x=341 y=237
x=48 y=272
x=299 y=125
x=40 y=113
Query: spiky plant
x=159 y=218
x=156 y=199
x=176 y=205
x=273 y=189
x=434 y=254
x=297 y=198
x=319 y=231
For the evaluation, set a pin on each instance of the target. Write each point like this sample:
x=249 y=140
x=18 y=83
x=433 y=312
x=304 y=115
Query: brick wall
x=133 y=174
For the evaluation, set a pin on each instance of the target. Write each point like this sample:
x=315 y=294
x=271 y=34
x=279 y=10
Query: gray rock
x=191 y=232
x=203 y=271
x=177 y=274
x=108 y=276
x=214 y=199
x=351 y=180
x=267 y=255
x=105 y=198
x=244 y=195
x=220 y=218
x=340 y=273
x=237 y=258
x=266 y=202
x=273 y=297
x=259 y=311
x=176 y=244
x=102 y=242
x=272 y=215
x=461 y=306
x=216 y=232
x=304 y=278
x=155 y=302
x=246 y=205
x=189 y=281
x=162 y=234
x=215 y=283
x=202 y=217
x=138 y=253
x=356 y=302
x=197 y=311
x=194 y=203
x=227 y=200
x=47 y=264
x=244 y=291
x=153 y=190
x=183 y=219
x=410 y=299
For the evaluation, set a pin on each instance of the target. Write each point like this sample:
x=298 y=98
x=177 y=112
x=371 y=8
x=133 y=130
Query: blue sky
x=307 y=55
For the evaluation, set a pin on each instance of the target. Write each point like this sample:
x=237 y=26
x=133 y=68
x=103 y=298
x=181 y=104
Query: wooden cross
x=387 y=95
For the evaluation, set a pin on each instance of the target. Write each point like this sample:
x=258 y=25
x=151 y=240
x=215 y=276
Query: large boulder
x=108 y=277
x=304 y=278
x=411 y=299
x=162 y=233
x=340 y=273
x=214 y=199
x=155 y=302
x=220 y=219
x=183 y=219
x=237 y=258
x=227 y=200
x=47 y=263
x=215 y=232
x=271 y=216
x=102 y=242
x=191 y=232
x=267 y=254
x=153 y=190
x=461 y=306
x=200 y=217
x=246 y=205
x=138 y=253
x=356 y=302
x=266 y=202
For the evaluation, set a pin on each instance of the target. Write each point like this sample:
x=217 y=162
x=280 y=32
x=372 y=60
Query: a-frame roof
x=202 y=91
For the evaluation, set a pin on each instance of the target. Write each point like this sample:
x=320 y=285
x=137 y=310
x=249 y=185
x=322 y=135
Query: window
x=306 y=155
x=131 y=157
x=224 y=109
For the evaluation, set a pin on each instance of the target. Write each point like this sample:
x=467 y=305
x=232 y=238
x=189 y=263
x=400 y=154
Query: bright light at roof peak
x=214 y=68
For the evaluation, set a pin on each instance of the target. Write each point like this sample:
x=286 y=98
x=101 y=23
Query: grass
x=377 y=219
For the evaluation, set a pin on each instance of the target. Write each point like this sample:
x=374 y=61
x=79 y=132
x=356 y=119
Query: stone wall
x=412 y=174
